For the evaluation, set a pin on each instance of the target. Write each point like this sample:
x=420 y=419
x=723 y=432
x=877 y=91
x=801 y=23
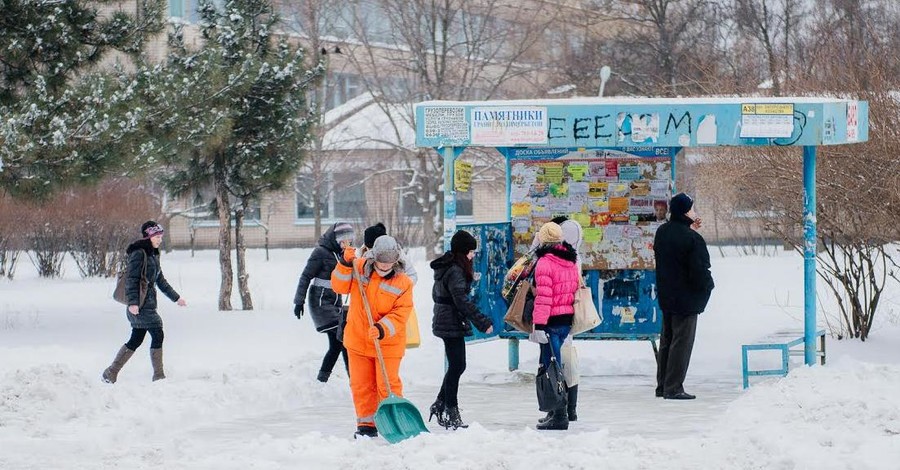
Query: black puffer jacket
x=452 y=308
x=683 y=279
x=147 y=316
x=324 y=304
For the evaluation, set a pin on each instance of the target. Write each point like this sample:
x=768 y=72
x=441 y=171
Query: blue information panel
x=492 y=259
x=626 y=298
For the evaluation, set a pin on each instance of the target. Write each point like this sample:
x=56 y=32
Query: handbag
x=515 y=314
x=586 y=317
x=570 y=362
x=119 y=294
x=413 y=339
x=551 y=387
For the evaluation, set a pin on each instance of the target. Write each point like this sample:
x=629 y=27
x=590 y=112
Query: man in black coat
x=684 y=284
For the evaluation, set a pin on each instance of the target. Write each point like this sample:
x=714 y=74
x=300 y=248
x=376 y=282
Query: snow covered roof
x=632 y=101
x=364 y=123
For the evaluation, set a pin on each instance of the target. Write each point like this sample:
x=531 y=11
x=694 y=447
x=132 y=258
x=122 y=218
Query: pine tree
x=63 y=118
x=232 y=114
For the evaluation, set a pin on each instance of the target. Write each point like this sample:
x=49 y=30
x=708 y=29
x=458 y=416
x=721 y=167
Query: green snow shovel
x=396 y=418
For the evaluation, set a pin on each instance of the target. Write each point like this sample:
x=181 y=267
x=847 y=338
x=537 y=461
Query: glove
x=375 y=332
x=298 y=311
x=538 y=336
x=348 y=256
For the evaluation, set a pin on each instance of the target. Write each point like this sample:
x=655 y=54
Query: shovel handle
x=365 y=302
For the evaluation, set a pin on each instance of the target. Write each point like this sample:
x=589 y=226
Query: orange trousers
x=367 y=384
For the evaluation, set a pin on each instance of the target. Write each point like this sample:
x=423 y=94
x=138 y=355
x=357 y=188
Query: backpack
x=119 y=294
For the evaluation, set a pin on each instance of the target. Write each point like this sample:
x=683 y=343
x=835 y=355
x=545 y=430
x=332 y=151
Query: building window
x=342 y=88
x=464 y=205
x=349 y=196
x=204 y=210
x=342 y=197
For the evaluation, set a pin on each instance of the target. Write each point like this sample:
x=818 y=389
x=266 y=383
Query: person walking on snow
x=556 y=279
x=453 y=276
x=143 y=266
x=684 y=285
x=324 y=304
x=389 y=293
x=371 y=234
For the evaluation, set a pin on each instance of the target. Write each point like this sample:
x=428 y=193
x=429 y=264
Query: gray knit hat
x=386 y=249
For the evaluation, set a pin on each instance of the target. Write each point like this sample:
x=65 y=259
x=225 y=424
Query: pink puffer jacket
x=556 y=279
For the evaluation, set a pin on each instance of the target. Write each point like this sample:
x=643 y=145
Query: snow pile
x=241 y=391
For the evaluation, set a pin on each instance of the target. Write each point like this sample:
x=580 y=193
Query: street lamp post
x=605 y=72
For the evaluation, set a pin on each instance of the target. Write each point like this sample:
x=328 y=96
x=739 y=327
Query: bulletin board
x=619 y=200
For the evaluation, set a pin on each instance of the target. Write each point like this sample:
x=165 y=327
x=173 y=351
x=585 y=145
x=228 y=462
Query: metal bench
x=783 y=341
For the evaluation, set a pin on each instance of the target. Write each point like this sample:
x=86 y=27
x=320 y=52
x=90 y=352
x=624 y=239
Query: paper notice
x=520 y=209
x=577 y=170
x=592 y=234
x=618 y=205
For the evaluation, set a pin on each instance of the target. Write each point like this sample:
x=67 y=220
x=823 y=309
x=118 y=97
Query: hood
x=572 y=233
x=560 y=250
x=329 y=241
x=142 y=244
x=441 y=265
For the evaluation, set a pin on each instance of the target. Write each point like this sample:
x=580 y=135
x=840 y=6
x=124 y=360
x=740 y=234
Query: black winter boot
x=573 y=401
x=546 y=418
x=365 y=431
x=559 y=421
x=454 y=420
x=323 y=376
x=437 y=410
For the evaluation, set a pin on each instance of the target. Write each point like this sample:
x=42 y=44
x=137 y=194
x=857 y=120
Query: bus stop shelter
x=608 y=163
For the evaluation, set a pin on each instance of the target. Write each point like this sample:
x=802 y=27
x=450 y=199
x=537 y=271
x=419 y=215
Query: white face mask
x=383 y=273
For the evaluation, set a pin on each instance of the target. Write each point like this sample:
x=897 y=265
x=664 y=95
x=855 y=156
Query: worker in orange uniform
x=390 y=296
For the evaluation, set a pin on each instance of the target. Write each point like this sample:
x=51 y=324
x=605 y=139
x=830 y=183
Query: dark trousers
x=138 y=334
x=557 y=335
x=455 y=350
x=335 y=349
x=675 y=345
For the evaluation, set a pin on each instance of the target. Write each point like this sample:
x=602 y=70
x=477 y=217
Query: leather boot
x=559 y=421
x=573 y=401
x=111 y=374
x=156 y=361
x=454 y=420
x=546 y=418
x=437 y=410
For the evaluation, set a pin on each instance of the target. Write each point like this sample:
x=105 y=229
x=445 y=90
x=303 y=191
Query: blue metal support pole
x=809 y=254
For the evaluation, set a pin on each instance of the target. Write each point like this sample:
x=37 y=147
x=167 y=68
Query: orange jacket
x=391 y=301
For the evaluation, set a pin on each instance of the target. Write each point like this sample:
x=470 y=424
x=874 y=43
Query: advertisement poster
x=619 y=200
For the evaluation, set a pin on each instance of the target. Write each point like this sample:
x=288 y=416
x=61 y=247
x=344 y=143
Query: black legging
x=137 y=337
x=455 y=349
x=335 y=349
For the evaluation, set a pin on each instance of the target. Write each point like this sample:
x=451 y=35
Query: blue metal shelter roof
x=654 y=122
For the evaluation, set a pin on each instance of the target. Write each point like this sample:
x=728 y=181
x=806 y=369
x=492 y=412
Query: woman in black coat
x=453 y=276
x=324 y=305
x=143 y=264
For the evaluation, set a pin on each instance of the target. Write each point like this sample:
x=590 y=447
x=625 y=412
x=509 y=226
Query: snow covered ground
x=241 y=390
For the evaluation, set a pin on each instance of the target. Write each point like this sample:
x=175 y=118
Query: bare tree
x=443 y=49
x=774 y=26
x=657 y=37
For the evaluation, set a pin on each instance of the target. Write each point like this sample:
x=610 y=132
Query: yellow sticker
x=768 y=108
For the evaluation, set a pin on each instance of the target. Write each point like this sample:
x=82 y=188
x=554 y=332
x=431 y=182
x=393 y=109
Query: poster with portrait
x=619 y=200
